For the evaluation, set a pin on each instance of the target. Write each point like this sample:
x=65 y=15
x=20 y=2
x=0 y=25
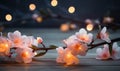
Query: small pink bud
x=39 y=40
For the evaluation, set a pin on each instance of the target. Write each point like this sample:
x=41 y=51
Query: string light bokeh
x=32 y=7
x=71 y=9
x=34 y=12
x=89 y=27
x=8 y=17
x=54 y=3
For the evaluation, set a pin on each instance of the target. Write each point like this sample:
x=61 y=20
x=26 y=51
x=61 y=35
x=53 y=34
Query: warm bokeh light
x=64 y=27
x=8 y=17
x=69 y=55
x=54 y=3
x=88 y=21
x=35 y=15
x=3 y=47
x=80 y=48
x=25 y=54
x=89 y=27
x=35 y=53
x=71 y=9
x=39 y=19
x=108 y=20
x=32 y=7
x=69 y=58
x=73 y=26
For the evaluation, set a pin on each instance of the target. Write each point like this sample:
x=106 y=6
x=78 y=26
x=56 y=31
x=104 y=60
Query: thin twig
x=102 y=43
x=39 y=48
x=44 y=46
x=91 y=45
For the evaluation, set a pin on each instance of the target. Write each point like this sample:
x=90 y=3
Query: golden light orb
x=54 y=3
x=89 y=27
x=35 y=53
x=8 y=17
x=25 y=54
x=3 y=47
x=32 y=7
x=71 y=9
x=73 y=26
x=64 y=27
x=39 y=19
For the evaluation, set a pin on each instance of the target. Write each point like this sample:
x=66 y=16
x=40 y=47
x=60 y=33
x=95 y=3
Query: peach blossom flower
x=84 y=37
x=65 y=56
x=103 y=53
x=24 y=55
x=104 y=36
x=60 y=51
x=29 y=40
x=39 y=40
x=76 y=47
x=16 y=38
x=20 y=40
x=5 y=46
x=71 y=40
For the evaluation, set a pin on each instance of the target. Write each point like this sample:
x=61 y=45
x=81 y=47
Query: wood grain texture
x=49 y=64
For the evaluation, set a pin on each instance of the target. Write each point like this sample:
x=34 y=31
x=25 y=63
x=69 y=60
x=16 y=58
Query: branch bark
x=91 y=45
x=102 y=43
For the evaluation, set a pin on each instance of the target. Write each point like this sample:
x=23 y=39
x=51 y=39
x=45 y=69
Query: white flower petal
x=106 y=47
x=10 y=36
x=90 y=35
x=99 y=51
x=107 y=40
x=103 y=53
x=82 y=36
x=17 y=33
x=115 y=51
x=115 y=45
x=60 y=49
x=82 y=31
x=104 y=30
x=104 y=36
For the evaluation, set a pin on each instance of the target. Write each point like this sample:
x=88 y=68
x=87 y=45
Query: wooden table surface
x=48 y=62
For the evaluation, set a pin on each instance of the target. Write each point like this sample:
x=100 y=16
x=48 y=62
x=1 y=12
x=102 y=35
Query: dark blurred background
x=22 y=16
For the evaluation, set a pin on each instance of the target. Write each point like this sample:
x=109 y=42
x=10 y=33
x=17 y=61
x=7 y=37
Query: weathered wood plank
x=51 y=68
x=83 y=62
x=50 y=65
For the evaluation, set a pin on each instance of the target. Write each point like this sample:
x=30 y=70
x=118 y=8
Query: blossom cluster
x=17 y=46
x=104 y=53
x=22 y=47
x=78 y=44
